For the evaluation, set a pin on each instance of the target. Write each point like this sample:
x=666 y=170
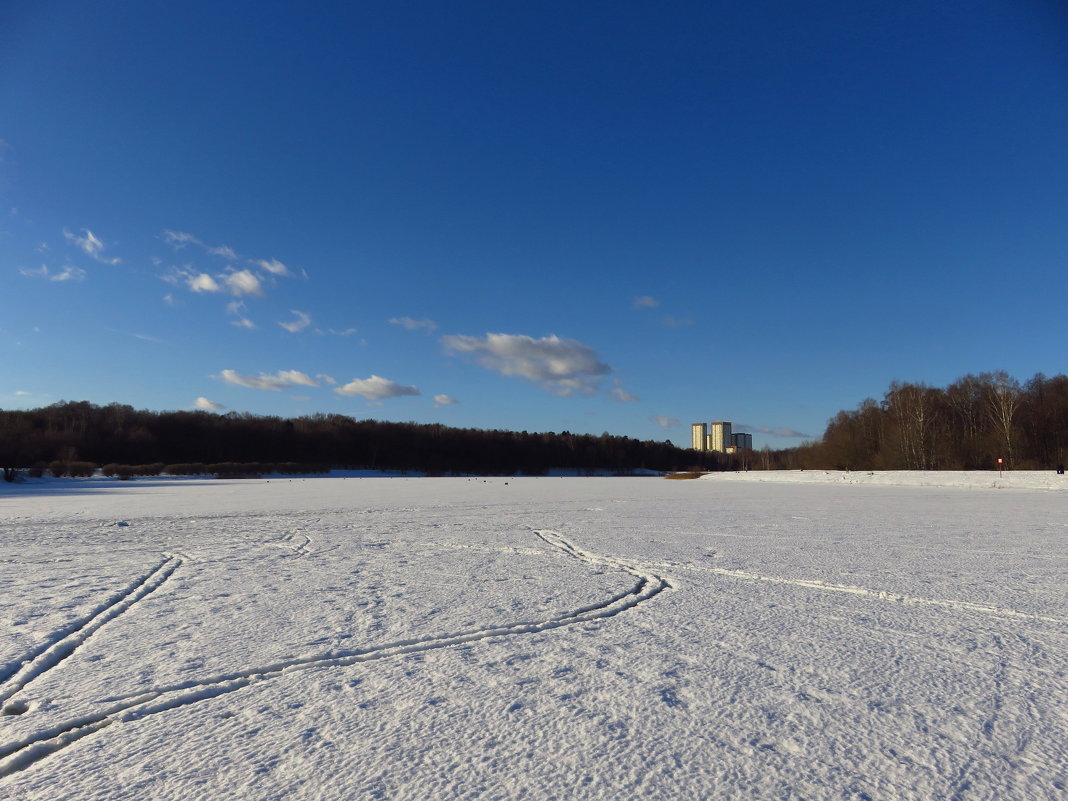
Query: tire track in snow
x=21 y=754
x=816 y=584
x=299 y=549
x=68 y=640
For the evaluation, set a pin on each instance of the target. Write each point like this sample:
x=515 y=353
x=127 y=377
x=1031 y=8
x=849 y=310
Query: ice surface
x=804 y=635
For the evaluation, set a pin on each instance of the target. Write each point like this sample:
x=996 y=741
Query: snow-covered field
x=541 y=638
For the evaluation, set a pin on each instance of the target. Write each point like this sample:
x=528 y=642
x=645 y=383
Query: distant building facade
x=700 y=435
x=743 y=442
x=717 y=436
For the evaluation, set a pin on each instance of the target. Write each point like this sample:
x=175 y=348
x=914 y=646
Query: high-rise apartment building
x=718 y=437
x=719 y=434
x=700 y=433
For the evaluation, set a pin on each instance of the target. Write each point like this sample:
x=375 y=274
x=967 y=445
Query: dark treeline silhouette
x=968 y=425
x=73 y=432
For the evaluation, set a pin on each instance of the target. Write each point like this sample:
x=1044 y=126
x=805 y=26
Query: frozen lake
x=843 y=637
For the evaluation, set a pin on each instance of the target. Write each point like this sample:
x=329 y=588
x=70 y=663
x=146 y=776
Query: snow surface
x=764 y=636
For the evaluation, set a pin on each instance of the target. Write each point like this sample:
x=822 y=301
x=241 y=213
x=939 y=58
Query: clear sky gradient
x=591 y=216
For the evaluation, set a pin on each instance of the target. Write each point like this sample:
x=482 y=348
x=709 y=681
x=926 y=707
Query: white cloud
x=168 y=299
x=621 y=394
x=415 y=325
x=243 y=282
x=375 y=388
x=302 y=322
x=179 y=239
x=90 y=245
x=207 y=405
x=238 y=308
x=561 y=366
x=645 y=302
x=348 y=332
x=250 y=280
x=68 y=273
x=444 y=400
x=665 y=422
x=22 y=392
x=273 y=266
x=202 y=282
x=225 y=251
x=283 y=379
x=326 y=379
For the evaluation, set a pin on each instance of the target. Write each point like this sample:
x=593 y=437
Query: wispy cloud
x=238 y=308
x=644 y=302
x=89 y=244
x=326 y=379
x=444 y=400
x=283 y=379
x=677 y=322
x=665 y=422
x=561 y=366
x=375 y=388
x=414 y=325
x=297 y=325
x=226 y=252
x=207 y=405
x=135 y=335
x=179 y=239
x=621 y=394
x=348 y=332
x=273 y=266
x=68 y=273
x=239 y=283
x=241 y=277
x=772 y=431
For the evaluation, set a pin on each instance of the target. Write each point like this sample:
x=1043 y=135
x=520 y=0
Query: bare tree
x=914 y=409
x=1003 y=396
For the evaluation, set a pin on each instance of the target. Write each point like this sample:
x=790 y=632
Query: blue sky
x=620 y=217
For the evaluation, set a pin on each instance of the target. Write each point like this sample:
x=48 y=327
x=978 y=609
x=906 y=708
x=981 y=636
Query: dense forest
x=79 y=436
x=968 y=425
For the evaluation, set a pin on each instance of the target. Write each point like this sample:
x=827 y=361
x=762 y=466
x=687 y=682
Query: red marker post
x=1000 y=473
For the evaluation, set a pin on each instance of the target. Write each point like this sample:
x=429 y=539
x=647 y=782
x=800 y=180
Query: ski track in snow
x=816 y=584
x=20 y=754
x=70 y=638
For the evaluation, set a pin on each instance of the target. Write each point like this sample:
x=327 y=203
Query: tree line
x=68 y=433
x=968 y=425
